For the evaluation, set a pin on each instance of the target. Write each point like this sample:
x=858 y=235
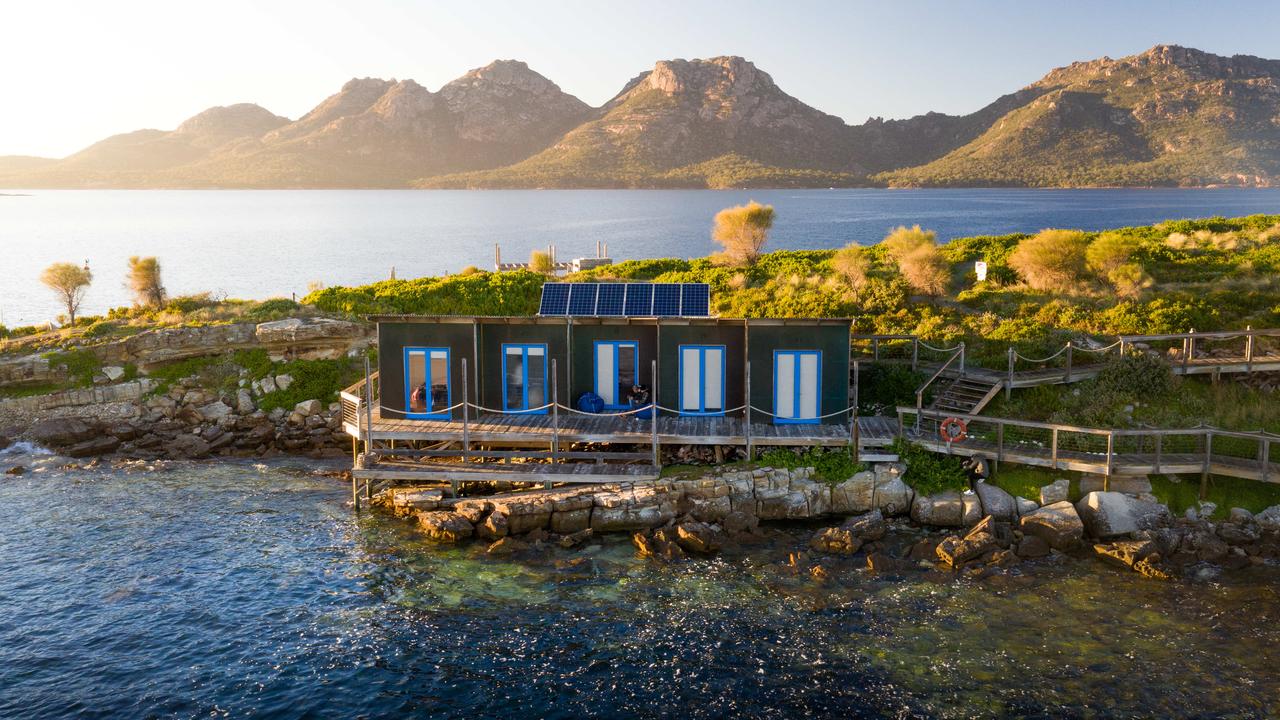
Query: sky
x=76 y=72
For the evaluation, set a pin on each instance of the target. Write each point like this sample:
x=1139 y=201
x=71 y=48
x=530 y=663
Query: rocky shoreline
x=980 y=533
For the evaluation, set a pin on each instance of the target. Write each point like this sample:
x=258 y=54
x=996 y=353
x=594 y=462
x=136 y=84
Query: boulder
x=660 y=544
x=782 y=504
x=1125 y=552
x=215 y=411
x=698 y=537
x=1025 y=506
x=891 y=495
x=1237 y=535
x=416 y=498
x=473 y=509
x=739 y=522
x=854 y=495
x=1111 y=514
x=60 y=432
x=93 y=447
x=244 y=402
x=630 y=517
x=113 y=372
x=997 y=503
x=187 y=446
x=956 y=551
x=971 y=508
x=307 y=408
x=712 y=509
x=1032 y=547
x=866 y=527
x=1055 y=492
x=1239 y=516
x=878 y=562
x=945 y=509
x=264 y=385
x=445 y=526
x=569 y=522
x=524 y=514
x=1058 y=525
x=837 y=541
x=1269 y=519
x=283 y=381
x=1127 y=484
x=494 y=526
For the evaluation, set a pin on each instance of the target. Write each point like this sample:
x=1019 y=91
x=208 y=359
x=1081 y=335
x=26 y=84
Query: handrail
x=959 y=353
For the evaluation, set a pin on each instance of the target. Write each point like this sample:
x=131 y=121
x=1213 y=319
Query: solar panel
x=582 y=298
x=555 y=299
x=639 y=300
x=695 y=300
x=666 y=300
x=609 y=301
x=626 y=299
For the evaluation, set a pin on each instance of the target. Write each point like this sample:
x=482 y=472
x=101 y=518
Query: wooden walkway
x=1204 y=451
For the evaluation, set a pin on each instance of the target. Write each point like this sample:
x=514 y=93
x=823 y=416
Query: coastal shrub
x=1129 y=280
x=742 y=231
x=883 y=387
x=1051 y=260
x=143 y=280
x=101 y=328
x=830 y=465
x=312 y=380
x=1139 y=375
x=273 y=309
x=541 y=263
x=81 y=364
x=1109 y=251
x=851 y=263
x=929 y=473
x=184 y=304
x=919 y=260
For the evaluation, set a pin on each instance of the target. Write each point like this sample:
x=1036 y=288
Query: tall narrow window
x=426 y=383
x=702 y=379
x=796 y=385
x=524 y=374
x=615 y=371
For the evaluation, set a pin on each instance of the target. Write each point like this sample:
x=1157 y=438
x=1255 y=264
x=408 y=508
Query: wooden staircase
x=966 y=395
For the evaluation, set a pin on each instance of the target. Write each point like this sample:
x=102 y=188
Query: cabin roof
x=600 y=320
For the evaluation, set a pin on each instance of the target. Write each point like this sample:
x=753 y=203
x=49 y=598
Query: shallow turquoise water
x=243 y=591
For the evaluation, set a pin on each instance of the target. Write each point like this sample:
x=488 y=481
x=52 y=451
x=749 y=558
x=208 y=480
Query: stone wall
x=99 y=401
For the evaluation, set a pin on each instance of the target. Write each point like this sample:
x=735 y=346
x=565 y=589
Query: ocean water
x=240 y=590
x=258 y=244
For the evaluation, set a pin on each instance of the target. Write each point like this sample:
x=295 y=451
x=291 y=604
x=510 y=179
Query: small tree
x=1109 y=251
x=851 y=262
x=742 y=231
x=69 y=282
x=540 y=262
x=920 y=260
x=1051 y=260
x=144 y=282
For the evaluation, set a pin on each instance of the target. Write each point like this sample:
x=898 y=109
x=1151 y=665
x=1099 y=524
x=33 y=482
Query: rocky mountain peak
x=730 y=73
x=506 y=74
x=239 y=120
x=404 y=101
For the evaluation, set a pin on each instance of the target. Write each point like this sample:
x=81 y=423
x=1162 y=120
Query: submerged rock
x=1125 y=553
x=699 y=537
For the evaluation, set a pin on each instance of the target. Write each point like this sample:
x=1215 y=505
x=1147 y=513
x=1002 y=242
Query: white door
x=796 y=386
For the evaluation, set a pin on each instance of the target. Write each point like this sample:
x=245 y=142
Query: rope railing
x=849 y=409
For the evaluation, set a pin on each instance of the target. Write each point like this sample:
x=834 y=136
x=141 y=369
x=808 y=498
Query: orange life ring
x=953 y=429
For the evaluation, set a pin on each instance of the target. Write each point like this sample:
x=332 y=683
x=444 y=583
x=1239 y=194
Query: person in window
x=418 y=399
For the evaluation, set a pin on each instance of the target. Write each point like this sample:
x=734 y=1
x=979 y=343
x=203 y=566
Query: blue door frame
x=795 y=388
x=702 y=380
x=448 y=382
x=595 y=361
x=524 y=381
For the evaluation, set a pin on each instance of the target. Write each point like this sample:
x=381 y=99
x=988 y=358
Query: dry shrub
x=851 y=263
x=742 y=231
x=919 y=259
x=1051 y=260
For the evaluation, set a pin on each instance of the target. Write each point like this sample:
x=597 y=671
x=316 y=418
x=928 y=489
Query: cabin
x=610 y=365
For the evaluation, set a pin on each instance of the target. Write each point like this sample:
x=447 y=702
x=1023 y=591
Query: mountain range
x=1170 y=116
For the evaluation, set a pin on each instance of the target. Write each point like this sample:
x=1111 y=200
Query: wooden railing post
x=1053 y=452
x=999 y=441
x=1191 y=350
x=902 y=430
x=853 y=414
x=1111 y=447
x=1008 y=386
x=1208 y=460
x=1067 y=377
x=875 y=348
x=653 y=414
x=915 y=353
x=1248 y=349
x=1266 y=458
x=555 y=408
x=746 y=416
x=1159 y=444
x=962 y=351
x=466 y=413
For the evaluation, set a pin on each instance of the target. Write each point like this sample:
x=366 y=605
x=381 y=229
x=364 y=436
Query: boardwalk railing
x=959 y=368
x=1106 y=451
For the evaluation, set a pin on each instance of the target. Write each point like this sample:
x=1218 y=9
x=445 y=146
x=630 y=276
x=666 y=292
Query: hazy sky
x=75 y=72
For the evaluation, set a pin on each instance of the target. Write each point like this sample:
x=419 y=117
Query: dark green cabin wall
x=671 y=336
x=492 y=338
x=584 y=361
x=394 y=337
x=831 y=340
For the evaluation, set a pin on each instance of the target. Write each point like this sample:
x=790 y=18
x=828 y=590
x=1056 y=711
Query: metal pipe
x=466 y=412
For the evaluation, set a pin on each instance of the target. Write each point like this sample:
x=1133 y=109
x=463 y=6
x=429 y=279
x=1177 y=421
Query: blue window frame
x=703 y=369
x=524 y=378
x=616 y=363
x=797 y=387
x=428 y=390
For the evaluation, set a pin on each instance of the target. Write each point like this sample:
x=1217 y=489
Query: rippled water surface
x=235 y=590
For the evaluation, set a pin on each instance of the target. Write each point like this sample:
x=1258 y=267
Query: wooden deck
x=500 y=429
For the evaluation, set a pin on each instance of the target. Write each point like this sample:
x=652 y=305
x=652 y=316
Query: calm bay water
x=249 y=591
x=257 y=244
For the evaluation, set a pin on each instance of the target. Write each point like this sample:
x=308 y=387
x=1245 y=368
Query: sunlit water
x=235 y=590
x=257 y=244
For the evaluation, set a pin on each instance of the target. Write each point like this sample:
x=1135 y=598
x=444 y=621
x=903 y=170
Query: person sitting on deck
x=639 y=398
x=418 y=399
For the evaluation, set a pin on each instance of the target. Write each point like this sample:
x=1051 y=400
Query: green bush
x=272 y=309
x=882 y=387
x=832 y=465
x=1138 y=375
x=82 y=365
x=312 y=380
x=184 y=304
x=929 y=473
